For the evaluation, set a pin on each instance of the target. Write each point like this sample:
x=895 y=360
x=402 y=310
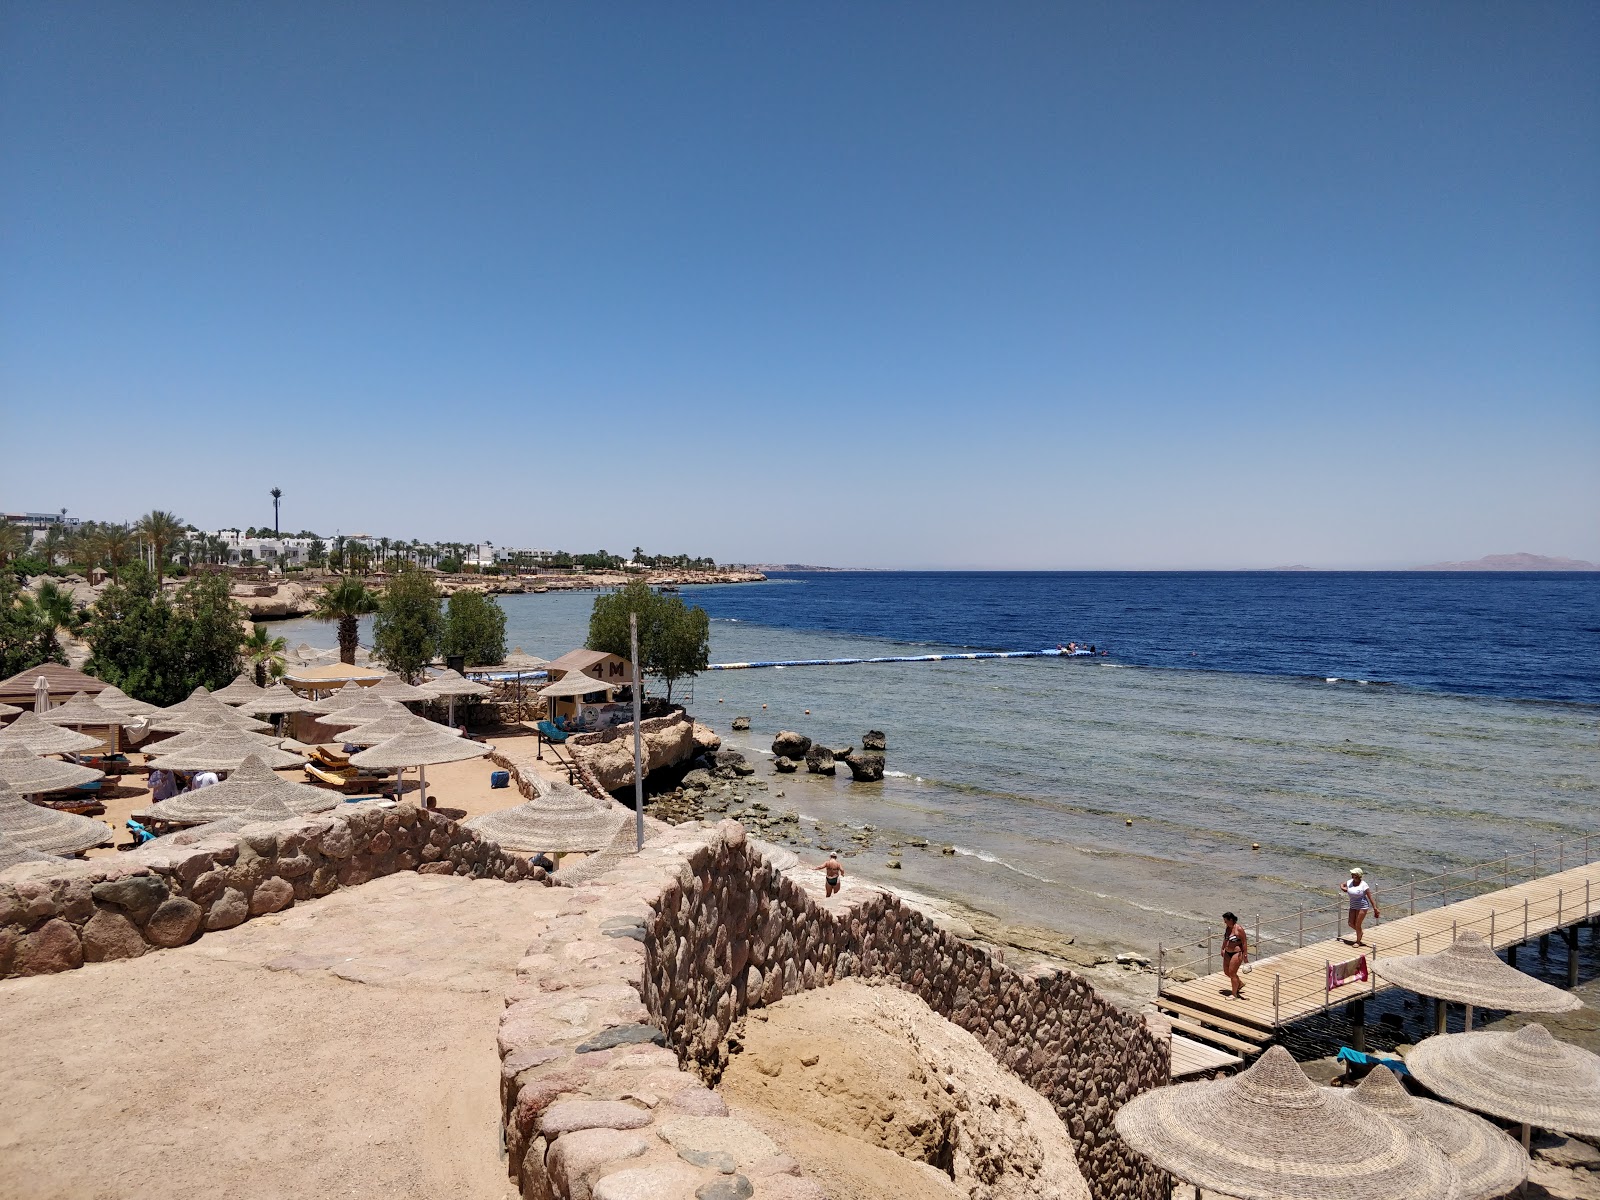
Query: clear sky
x=1028 y=285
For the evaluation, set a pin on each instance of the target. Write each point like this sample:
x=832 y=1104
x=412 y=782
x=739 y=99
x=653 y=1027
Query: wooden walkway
x=1292 y=985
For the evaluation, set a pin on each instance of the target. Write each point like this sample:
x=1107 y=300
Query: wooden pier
x=1286 y=986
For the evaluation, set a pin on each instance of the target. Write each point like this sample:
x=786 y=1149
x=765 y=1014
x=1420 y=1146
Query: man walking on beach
x=832 y=871
x=1235 y=952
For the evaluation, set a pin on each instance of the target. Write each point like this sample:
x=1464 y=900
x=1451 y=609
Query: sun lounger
x=549 y=735
x=141 y=835
x=1359 y=1062
x=330 y=757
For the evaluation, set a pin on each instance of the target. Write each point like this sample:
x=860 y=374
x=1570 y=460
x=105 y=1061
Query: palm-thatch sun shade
x=204 y=712
x=13 y=852
x=561 y=820
x=83 y=710
x=118 y=700
x=276 y=700
x=9 y=710
x=1269 y=1133
x=242 y=690
x=224 y=751
x=347 y=697
x=1526 y=1076
x=30 y=775
x=264 y=808
x=420 y=749
x=392 y=687
x=48 y=830
x=253 y=780
x=363 y=712
x=1469 y=972
x=453 y=683
x=574 y=684
x=373 y=733
x=1487 y=1162
x=36 y=734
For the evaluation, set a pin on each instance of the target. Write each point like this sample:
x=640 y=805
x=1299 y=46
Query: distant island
x=1514 y=562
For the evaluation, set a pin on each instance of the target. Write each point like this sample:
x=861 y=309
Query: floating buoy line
x=905 y=658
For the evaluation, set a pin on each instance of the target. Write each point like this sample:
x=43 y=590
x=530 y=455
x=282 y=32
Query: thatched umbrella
x=13 y=852
x=363 y=712
x=31 y=775
x=276 y=700
x=253 y=780
x=349 y=694
x=1487 y=1162
x=242 y=690
x=1526 y=1076
x=9 y=710
x=83 y=710
x=519 y=660
x=223 y=751
x=38 y=735
x=373 y=733
x=1469 y=972
x=204 y=712
x=1269 y=1133
x=266 y=808
x=118 y=700
x=392 y=687
x=422 y=750
x=560 y=820
x=452 y=684
x=48 y=830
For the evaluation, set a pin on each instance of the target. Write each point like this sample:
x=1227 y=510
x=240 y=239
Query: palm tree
x=12 y=542
x=55 y=609
x=346 y=602
x=161 y=529
x=112 y=547
x=277 y=494
x=265 y=654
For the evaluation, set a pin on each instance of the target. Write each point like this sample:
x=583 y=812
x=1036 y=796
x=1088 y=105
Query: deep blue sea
x=1411 y=723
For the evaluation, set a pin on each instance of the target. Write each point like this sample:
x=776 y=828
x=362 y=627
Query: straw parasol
x=32 y=775
x=1526 y=1076
x=83 y=709
x=560 y=820
x=575 y=684
x=13 y=852
x=204 y=711
x=363 y=712
x=1469 y=972
x=373 y=733
x=275 y=700
x=118 y=700
x=9 y=710
x=421 y=749
x=253 y=780
x=1487 y=1162
x=392 y=687
x=1269 y=1133
x=48 y=830
x=264 y=808
x=519 y=660
x=224 y=751
x=38 y=735
x=349 y=694
x=452 y=684
x=242 y=690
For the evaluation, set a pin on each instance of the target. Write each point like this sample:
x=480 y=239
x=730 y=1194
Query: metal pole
x=1161 y=960
x=1302 y=925
x=1256 y=945
x=1276 y=980
x=1413 y=897
x=1491 y=929
x=1524 y=918
x=638 y=737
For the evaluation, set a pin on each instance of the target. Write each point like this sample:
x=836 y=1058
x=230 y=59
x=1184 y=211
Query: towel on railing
x=1352 y=970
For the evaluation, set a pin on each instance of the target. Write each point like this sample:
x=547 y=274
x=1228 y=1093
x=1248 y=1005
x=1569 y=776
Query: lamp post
x=638 y=742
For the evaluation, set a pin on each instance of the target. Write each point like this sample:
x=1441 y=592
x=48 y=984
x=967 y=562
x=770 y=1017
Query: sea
x=1244 y=739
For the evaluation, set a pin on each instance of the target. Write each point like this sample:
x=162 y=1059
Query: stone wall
x=57 y=918
x=732 y=933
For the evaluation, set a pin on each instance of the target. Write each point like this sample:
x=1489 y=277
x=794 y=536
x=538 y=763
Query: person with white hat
x=1362 y=901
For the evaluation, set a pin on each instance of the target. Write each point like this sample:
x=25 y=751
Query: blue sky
x=1033 y=285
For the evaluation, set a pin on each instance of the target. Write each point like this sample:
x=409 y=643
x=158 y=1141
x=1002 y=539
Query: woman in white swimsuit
x=1362 y=901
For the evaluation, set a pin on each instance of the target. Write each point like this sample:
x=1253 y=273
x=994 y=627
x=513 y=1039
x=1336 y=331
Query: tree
x=13 y=543
x=161 y=529
x=346 y=602
x=277 y=495
x=111 y=546
x=265 y=654
x=26 y=636
x=56 y=610
x=450 y=565
x=405 y=635
x=475 y=627
x=317 y=552
x=674 y=640
x=159 y=648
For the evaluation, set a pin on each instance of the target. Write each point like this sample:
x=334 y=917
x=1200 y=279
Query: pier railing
x=1311 y=925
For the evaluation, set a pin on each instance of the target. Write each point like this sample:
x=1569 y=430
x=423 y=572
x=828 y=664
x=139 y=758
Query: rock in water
x=741 y=723
x=819 y=760
x=731 y=762
x=865 y=768
x=785 y=766
x=789 y=744
x=873 y=739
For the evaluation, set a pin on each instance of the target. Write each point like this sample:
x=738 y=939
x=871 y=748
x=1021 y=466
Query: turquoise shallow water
x=1032 y=767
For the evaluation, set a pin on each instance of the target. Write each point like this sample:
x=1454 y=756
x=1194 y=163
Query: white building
x=253 y=551
x=35 y=525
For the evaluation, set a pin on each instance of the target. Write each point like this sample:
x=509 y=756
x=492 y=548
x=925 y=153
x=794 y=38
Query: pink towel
x=1352 y=971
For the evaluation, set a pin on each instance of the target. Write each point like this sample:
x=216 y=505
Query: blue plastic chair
x=141 y=835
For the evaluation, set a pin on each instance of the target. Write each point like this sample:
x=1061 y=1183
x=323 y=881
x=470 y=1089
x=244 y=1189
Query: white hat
x=1355 y=870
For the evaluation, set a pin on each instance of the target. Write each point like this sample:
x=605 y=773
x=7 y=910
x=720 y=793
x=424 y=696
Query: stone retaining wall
x=732 y=933
x=104 y=908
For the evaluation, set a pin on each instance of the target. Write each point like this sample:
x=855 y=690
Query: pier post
x=1570 y=936
x=1278 y=979
x=1441 y=1016
x=1544 y=945
x=1302 y=926
x=1466 y=1019
x=1357 y=1012
x=1491 y=929
x=1511 y=955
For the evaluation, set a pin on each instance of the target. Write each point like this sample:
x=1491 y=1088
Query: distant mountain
x=790 y=567
x=1514 y=562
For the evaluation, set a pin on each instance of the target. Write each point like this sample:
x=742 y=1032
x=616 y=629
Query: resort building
x=36 y=525
x=251 y=551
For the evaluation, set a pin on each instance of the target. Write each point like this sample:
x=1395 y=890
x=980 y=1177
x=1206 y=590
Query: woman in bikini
x=831 y=870
x=1235 y=952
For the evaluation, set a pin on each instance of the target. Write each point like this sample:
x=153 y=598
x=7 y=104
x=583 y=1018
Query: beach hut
x=38 y=735
x=34 y=827
x=421 y=749
x=22 y=688
x=1487 y=1163
x=1469 y=972
x=253 y=780
x=1527 y=1076
x=1269 y=1133
x=579 y=699
x=561 y=820
x=30 y=775
x=224 y=750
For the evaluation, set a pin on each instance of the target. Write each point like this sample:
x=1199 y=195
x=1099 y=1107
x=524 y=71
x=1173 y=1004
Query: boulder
x=173 y=923
x=741 y=723
x=52 y=947
x=699 y=778
x=785 y=766
x=136 y=895
x=873 y=739
x=819 y=760
x=865 y=768
x=731 y=762
x=789 y=744
x=706 y=739
x=667 y=742
x=110 y=935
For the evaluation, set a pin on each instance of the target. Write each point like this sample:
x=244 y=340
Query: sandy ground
x=341 y=1048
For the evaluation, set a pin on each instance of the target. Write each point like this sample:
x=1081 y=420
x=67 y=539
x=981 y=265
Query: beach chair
x=1358 y=1062
x=328 y=756
x=141 y=835
x=549 y=735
